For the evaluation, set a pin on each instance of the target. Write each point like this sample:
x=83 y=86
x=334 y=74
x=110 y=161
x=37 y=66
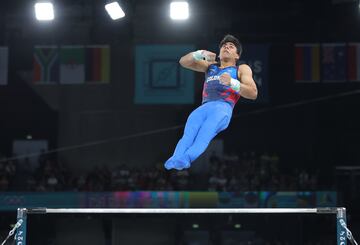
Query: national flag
x=4 y=53
x=353 y=62
x=46 y=64
x=333 y=62
x=97 y=64
x=307 y=62
x=72 y=66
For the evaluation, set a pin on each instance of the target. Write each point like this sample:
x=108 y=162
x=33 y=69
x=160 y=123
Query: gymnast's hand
x=209 y=56
x=225 y=79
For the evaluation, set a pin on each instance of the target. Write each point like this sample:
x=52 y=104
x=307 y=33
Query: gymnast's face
x=228 y=51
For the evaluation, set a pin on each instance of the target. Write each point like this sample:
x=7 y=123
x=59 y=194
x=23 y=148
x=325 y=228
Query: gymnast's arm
x=198 y=60
x=248 y=87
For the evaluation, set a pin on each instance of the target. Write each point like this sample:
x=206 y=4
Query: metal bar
x=341 y=231
x=20 y=236
x=340 y=213
x=186 y=210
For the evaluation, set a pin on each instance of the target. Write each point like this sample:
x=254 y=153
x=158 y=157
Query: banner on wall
x=46 y=65
x=353 y=68
x=257 y=57
x=333 y=62
x=159 y=78
x=307 y=62
x=327 y=62
x=4 y=54
x=71 y=64
x=97 y=64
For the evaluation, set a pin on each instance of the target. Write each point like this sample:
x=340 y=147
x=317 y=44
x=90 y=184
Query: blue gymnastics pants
x=202 y=125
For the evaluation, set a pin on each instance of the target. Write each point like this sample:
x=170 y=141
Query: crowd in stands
x=248 y=171
x=251 y=172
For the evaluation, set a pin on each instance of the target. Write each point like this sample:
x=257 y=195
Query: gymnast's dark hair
x=234 y=40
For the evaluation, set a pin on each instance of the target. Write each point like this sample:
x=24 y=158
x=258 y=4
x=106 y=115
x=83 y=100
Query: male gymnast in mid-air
x=225 y=82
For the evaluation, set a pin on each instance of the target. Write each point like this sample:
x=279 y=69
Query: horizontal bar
x=184 y=210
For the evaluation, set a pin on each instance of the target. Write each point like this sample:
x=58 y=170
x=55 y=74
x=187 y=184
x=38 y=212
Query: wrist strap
x=235 y=85
x=197 y=55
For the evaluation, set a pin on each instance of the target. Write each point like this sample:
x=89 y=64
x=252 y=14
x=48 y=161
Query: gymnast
x=225 y=82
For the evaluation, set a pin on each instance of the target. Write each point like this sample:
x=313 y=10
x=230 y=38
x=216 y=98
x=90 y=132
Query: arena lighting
x=114 y=10
x=44 y=11
x=179 y=10
x=195 y=226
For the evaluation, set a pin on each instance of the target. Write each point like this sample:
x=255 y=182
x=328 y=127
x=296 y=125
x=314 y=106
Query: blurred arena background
x=91 y=107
